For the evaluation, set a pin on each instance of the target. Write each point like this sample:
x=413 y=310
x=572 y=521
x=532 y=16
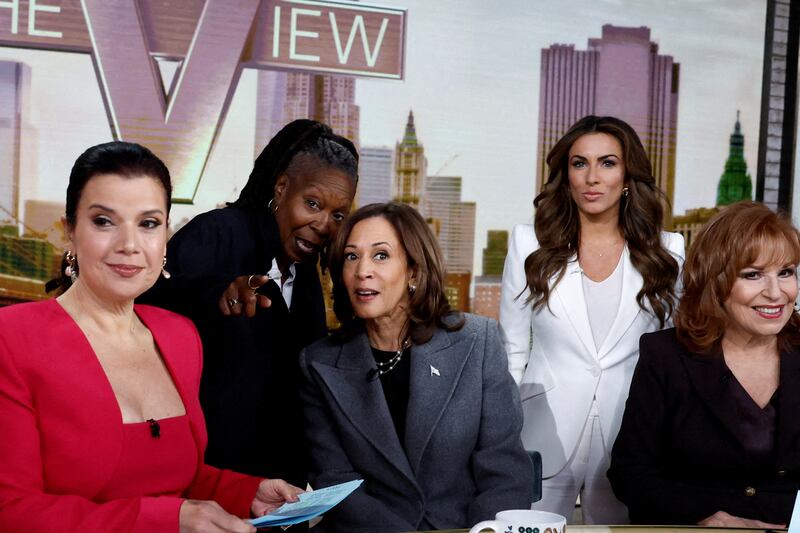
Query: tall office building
x=335 y=105
x=375 y=167
x=14 y=80
x=735 y=183
x=300 y=100
x=410 y=167
x=620 y=74
x=282 y=97
x=452 y=220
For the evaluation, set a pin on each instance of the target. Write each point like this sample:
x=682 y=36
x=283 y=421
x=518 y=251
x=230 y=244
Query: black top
x=249 y=385
x=395 y=388
x=685 y=450
x=756 y=428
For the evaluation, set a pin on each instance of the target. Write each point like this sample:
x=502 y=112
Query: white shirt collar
x=287 y=284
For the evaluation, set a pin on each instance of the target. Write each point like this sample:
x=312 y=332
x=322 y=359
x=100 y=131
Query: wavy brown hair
x=428 y=307
x=732 y=240
x=641 y=215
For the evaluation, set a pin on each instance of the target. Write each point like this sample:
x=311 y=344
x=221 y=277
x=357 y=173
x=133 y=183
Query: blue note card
x=794 y=523
x=309 y=505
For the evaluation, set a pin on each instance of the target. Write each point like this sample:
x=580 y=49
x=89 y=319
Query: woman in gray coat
x=407 y=395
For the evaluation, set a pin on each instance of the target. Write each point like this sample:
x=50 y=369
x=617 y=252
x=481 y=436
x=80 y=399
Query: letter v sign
x=179 y=128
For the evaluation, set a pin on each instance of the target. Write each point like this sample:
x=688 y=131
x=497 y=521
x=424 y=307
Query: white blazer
x=553 y=358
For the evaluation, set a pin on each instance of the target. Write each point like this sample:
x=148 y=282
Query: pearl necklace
x=387 y=366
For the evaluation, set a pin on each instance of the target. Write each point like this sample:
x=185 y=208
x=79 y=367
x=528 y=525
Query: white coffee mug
x=523 y=521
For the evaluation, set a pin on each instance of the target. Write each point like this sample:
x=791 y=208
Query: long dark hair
x=298 y=138
x=428 y=306
x=122 y=158
x=641 y=215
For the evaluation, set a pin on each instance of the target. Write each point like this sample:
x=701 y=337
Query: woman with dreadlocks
x=246 y=274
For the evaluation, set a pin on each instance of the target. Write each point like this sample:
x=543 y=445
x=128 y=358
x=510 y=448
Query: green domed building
x=735 y=183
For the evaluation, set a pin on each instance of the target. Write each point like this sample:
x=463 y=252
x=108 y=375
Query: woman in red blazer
x=102 y=428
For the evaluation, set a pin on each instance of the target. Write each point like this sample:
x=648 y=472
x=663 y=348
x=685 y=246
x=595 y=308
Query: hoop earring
x=269 y=206
x=71 y=270
x=164 y=272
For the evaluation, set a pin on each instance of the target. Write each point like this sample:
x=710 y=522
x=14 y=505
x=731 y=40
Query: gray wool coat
x=462 y=460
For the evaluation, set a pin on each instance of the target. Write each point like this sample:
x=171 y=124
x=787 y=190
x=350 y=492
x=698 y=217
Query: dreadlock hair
x=300 y=142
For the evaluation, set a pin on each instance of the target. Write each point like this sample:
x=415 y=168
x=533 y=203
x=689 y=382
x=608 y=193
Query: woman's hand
x=271 y=494
x=198 y=516
x=723 y=519
x=241 y=297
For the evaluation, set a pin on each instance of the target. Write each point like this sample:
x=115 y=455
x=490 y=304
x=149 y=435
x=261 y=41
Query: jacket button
x=781 y=473
x=749 y=491
x=594 y=371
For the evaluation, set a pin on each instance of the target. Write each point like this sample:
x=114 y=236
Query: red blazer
x=62 y=429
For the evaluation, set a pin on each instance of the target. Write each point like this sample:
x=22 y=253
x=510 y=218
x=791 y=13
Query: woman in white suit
x=580 y=286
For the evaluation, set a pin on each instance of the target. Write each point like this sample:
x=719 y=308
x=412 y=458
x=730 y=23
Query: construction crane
x=446 y=164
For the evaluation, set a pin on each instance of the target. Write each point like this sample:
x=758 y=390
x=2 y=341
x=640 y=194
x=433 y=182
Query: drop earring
x=71 y=270
x=164 y=272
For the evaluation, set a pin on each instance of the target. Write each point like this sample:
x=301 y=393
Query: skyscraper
x=282 y=97
x=336 y=96
x=14 y=79
x=620 y=74
x=453 y=220
x=410 y=167
x=375 y=167
x=735 y=183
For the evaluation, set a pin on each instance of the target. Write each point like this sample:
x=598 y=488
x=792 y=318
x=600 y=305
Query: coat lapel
x=628 y=308
x=787 y=441
x=363 y=401
x=436 y=367
x=711 y=380
x=570 y=293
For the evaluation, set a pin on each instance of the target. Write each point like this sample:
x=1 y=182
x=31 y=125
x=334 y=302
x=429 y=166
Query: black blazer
x=676 y=459
x=249 y=387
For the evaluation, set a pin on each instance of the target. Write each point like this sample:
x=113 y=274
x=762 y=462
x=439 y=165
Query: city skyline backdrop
x=475 y=100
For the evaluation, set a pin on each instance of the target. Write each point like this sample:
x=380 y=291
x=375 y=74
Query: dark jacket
x=249 y=389
x=461 y=461
x=677 y=459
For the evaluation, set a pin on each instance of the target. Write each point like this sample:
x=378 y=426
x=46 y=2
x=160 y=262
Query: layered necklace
x=387 y=366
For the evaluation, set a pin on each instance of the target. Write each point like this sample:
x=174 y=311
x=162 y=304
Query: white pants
x=585 y=474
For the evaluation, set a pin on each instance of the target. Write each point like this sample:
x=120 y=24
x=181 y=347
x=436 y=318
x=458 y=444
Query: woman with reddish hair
x=710 y=430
